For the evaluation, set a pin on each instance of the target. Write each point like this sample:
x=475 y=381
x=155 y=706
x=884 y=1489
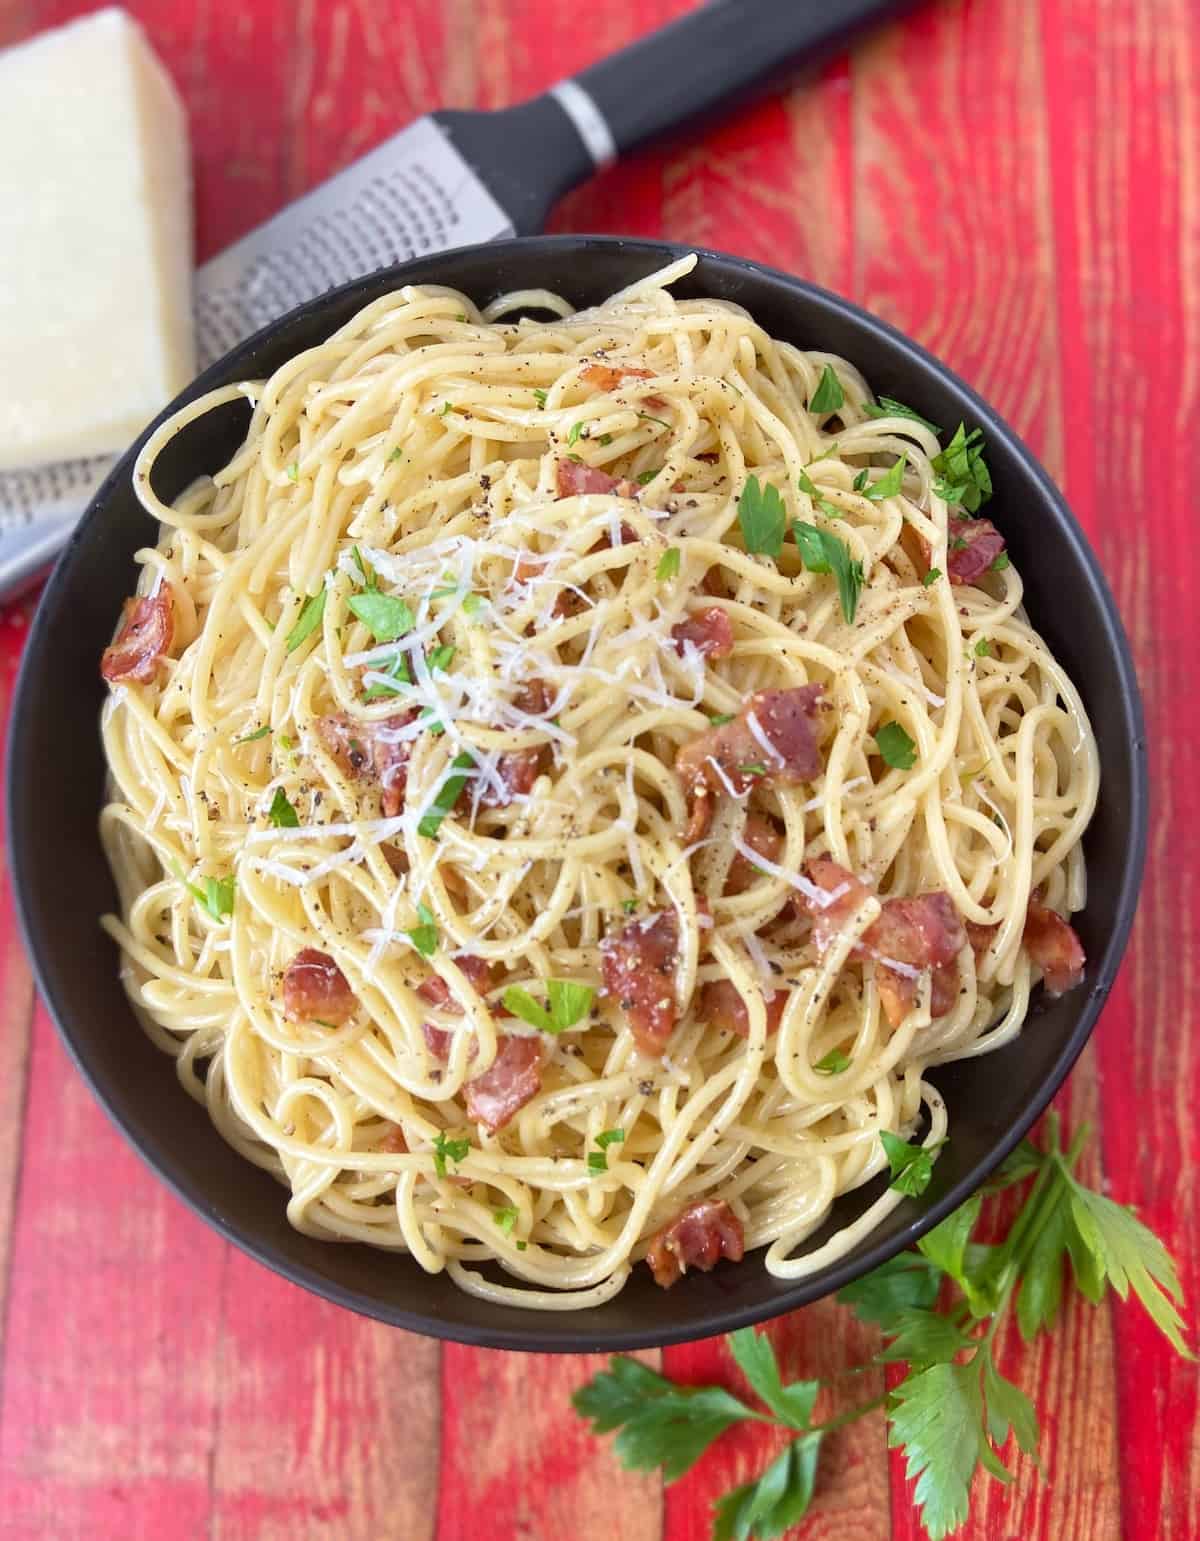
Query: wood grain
x=1017 y=184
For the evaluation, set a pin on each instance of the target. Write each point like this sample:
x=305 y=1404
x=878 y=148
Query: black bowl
x=55 y=777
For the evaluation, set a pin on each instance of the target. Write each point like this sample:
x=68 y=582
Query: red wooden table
x=1017 y=184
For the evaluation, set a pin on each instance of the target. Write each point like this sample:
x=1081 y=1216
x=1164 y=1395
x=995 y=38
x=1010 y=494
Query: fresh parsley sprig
x=953 y=1412
x=567 y=1004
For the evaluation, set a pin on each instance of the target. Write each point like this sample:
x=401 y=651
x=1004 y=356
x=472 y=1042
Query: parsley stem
x=851 y=1415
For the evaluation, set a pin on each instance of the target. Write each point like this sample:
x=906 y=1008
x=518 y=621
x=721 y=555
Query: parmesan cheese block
x=95 y=241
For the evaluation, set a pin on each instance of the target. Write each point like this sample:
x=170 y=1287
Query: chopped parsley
x=365 y=569
x=830 y=510
x=567 y=1004
x=293 y=471
x=252 y=738
x=833 y=1063
x=281 y=813
x=448 y=1150
x=425 y=936
x=216 y=896
x=442 y=657
x=609 y=1137
x=755 y=768
x=597 y=1162
x=888 y=485
x=385 y=617
x=309 y=620
x=573 y=436
x=629 y=905
x=983 y=648
x=644 y=478
x=897 y=749
x=931 y=576
x=668 y=564
x=540 y=397
x=828 y=396
x=888 y=407
x=505 y=1219
x=912 y=1165
x=397 y=670
x=762 y=517
x=719 y=719
x=397 y=454
x=822 y=552
x=447 y=796
x=963 y=476
x=1000 y=563
x=598 y=1159
x=647 y=418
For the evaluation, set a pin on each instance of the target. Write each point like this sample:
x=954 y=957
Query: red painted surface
x=1017 y=184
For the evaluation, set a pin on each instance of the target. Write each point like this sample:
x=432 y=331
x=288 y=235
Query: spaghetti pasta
x=570 y=778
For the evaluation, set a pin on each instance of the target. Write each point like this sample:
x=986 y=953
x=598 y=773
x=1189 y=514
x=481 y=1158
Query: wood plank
x=109 y=1388
x=1124 y=132
x=325 y=1422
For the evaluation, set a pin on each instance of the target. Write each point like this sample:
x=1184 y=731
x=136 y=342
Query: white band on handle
x=588 y=119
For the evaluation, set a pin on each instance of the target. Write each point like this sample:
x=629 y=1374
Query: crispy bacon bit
x=366 y=751
x=920 y=933
x=606 y=377
x=514 y=1077
x=394 y=1142
x=972 y=546
x=705 y=1232
x=518 y=769
x=436 y=991
x=437 y=1039
x=761 y=835
x=574 y=478
x=721 y=1005
x=147 y=631
x=771 y=740
x=710 y=631
x=315 y=989
x=710 y=457
x=980 y=938
x=639 y=966
x=1054 y=946
x=713 y=583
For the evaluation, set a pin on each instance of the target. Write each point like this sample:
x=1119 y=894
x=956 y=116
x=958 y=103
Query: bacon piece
x=606 y=377
x=394 y=1142
x=761 y=835
x=147 y=631
x=515 y=1075
x=980 y=938
x=436 y=991
x=574 y=478
x=713 y=582
x=437 y=1039
x=518 y=769
x=733 y=757
x=971 y=548
x=710 y=457
x=1054 y=946
x=710 y=632
x=365 y=751
x=705 y=1232
x=315 y=989
x=638 y=964
x=721 y=1005
x=919 y=933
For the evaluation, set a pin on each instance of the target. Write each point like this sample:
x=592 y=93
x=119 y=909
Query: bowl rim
x=801 y=1291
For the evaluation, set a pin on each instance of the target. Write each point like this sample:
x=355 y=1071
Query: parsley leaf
x=396 y=670
x=931 y=576
x=963 y=476
x=597 y=1162
x=937 y=1417
x=447 y=796
x=888 y=485
x=830 y=510
x=983 y=648
x=755 y=1358
x=822 y=552
x=832 y=1063
x=661 y=1424
x=1000 y=563
x=719 y=719
x=906 y=1282
x=573 y=436
x=365 y=569
x=216 y=896
x=448 y=1150
x=668 y=564
x=762 y=517
x=829 y=395
x=912 y=1165
x=608 y=1137
x=281 y=813
x=385 y=617
x=442 y=657
x=897 y=749
x=505 y=1219
x=644 y=478
x=1130 y=1256
x=540 y=397
x=252 y=738
x=425 y=936
x=309 y=620
x=293 y=472
x=777 y=1501
x=569 y=1003
x=888 y=407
